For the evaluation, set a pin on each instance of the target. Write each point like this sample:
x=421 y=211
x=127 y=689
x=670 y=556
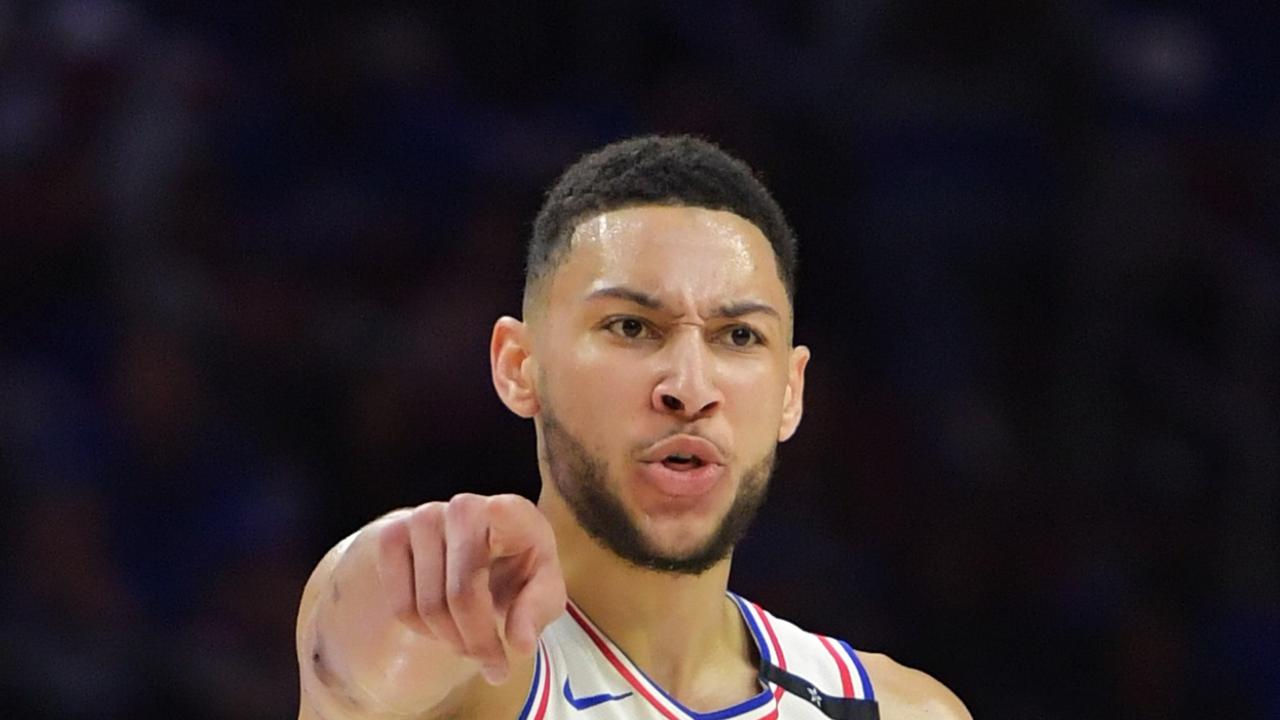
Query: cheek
x=593 y=391
x=755 y=398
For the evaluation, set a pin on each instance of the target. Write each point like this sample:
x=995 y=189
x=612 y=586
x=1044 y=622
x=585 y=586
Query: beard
x=582 y=480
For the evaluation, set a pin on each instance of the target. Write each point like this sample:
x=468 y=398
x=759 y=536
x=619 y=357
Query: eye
x=628 y=327
x=743 y=336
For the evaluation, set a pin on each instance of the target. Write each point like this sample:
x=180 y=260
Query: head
x=656 y=353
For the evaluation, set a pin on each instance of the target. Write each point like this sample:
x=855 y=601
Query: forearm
x=357 y=657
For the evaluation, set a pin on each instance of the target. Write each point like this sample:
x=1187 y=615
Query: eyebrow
x=732 y=310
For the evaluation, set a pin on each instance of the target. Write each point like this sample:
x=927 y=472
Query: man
x=656 y=360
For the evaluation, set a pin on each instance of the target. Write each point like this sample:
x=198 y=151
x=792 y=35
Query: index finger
x=538 y=604
x=467 y=572
x=515 y=526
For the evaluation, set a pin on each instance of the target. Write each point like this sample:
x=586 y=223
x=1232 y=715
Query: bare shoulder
x=905 y=693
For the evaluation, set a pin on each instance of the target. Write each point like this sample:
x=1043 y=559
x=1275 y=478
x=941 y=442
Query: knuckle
x=426 y=522
x=465 y=499
x=392 y=537
x=509 y=506
x=465 y=505
x=427 y=513
x=508 y=501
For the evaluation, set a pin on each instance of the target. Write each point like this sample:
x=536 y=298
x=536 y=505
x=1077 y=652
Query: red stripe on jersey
x=617 y=664
x=846 y=682
x=773 y=640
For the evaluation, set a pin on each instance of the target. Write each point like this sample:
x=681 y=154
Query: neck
x=682 y=630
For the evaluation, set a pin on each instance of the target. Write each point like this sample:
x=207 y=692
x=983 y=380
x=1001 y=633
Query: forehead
x=691 y=256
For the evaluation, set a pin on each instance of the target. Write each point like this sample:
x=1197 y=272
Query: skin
x=658 y=320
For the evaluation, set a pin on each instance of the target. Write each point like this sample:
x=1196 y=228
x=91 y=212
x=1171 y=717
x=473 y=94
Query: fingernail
x=494 y=674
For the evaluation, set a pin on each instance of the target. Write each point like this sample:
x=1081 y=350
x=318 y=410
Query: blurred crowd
x=251 y=257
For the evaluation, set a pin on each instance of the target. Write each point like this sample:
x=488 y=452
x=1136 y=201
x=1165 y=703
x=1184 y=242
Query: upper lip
x=701 y=448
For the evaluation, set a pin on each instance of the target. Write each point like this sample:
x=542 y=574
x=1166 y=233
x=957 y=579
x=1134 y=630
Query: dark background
x=251 y=257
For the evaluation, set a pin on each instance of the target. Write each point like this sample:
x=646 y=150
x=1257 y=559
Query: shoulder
x=902 y=693
x=906 y=694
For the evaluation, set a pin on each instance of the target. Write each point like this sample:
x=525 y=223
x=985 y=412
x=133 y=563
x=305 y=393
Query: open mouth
x=682 y=461
x=686 y=470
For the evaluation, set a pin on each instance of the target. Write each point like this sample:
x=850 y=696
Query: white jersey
x=580 y=674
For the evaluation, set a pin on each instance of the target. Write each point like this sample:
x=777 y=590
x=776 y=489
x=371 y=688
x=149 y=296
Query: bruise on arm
x=331 y=695
x=329 y=679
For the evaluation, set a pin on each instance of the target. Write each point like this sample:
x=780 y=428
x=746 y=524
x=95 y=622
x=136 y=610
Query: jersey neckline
x=760 y=706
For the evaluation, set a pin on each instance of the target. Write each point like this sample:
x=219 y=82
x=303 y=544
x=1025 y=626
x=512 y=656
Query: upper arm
x=905 y=693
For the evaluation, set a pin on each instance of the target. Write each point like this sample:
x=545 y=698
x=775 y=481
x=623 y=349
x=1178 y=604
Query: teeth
x=681 y=459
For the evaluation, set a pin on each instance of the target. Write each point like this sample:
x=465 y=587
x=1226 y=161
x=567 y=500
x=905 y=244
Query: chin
x=677 y=535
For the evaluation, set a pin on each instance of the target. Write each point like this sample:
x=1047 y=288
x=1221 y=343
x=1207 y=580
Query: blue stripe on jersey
x=749 y=704
x=742 y=707
x=862 y=672
x=533 y=689
x=755 y=629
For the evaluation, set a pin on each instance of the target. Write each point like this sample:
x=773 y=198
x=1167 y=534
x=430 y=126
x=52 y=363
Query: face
x=665 y=377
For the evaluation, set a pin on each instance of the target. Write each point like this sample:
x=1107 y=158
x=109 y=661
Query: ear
x=511 y=361
x=793 y=397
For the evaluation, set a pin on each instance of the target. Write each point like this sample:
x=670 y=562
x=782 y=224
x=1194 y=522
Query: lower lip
x=681 y=483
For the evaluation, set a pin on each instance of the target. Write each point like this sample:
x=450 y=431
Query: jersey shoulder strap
x=823 y=671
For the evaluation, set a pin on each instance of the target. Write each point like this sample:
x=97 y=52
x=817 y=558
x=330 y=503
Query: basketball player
x=656 y=361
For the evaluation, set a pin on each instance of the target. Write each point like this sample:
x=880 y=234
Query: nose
x=688 y=386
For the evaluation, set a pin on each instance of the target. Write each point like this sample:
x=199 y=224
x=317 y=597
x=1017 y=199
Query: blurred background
x=250 y=257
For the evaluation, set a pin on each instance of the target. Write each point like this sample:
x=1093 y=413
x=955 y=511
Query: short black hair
x=656 y=170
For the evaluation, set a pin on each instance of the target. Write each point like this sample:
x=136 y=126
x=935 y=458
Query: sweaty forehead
x=689 y=257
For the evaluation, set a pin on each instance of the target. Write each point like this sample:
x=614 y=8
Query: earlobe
x=513 y=367
x=793 y=396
